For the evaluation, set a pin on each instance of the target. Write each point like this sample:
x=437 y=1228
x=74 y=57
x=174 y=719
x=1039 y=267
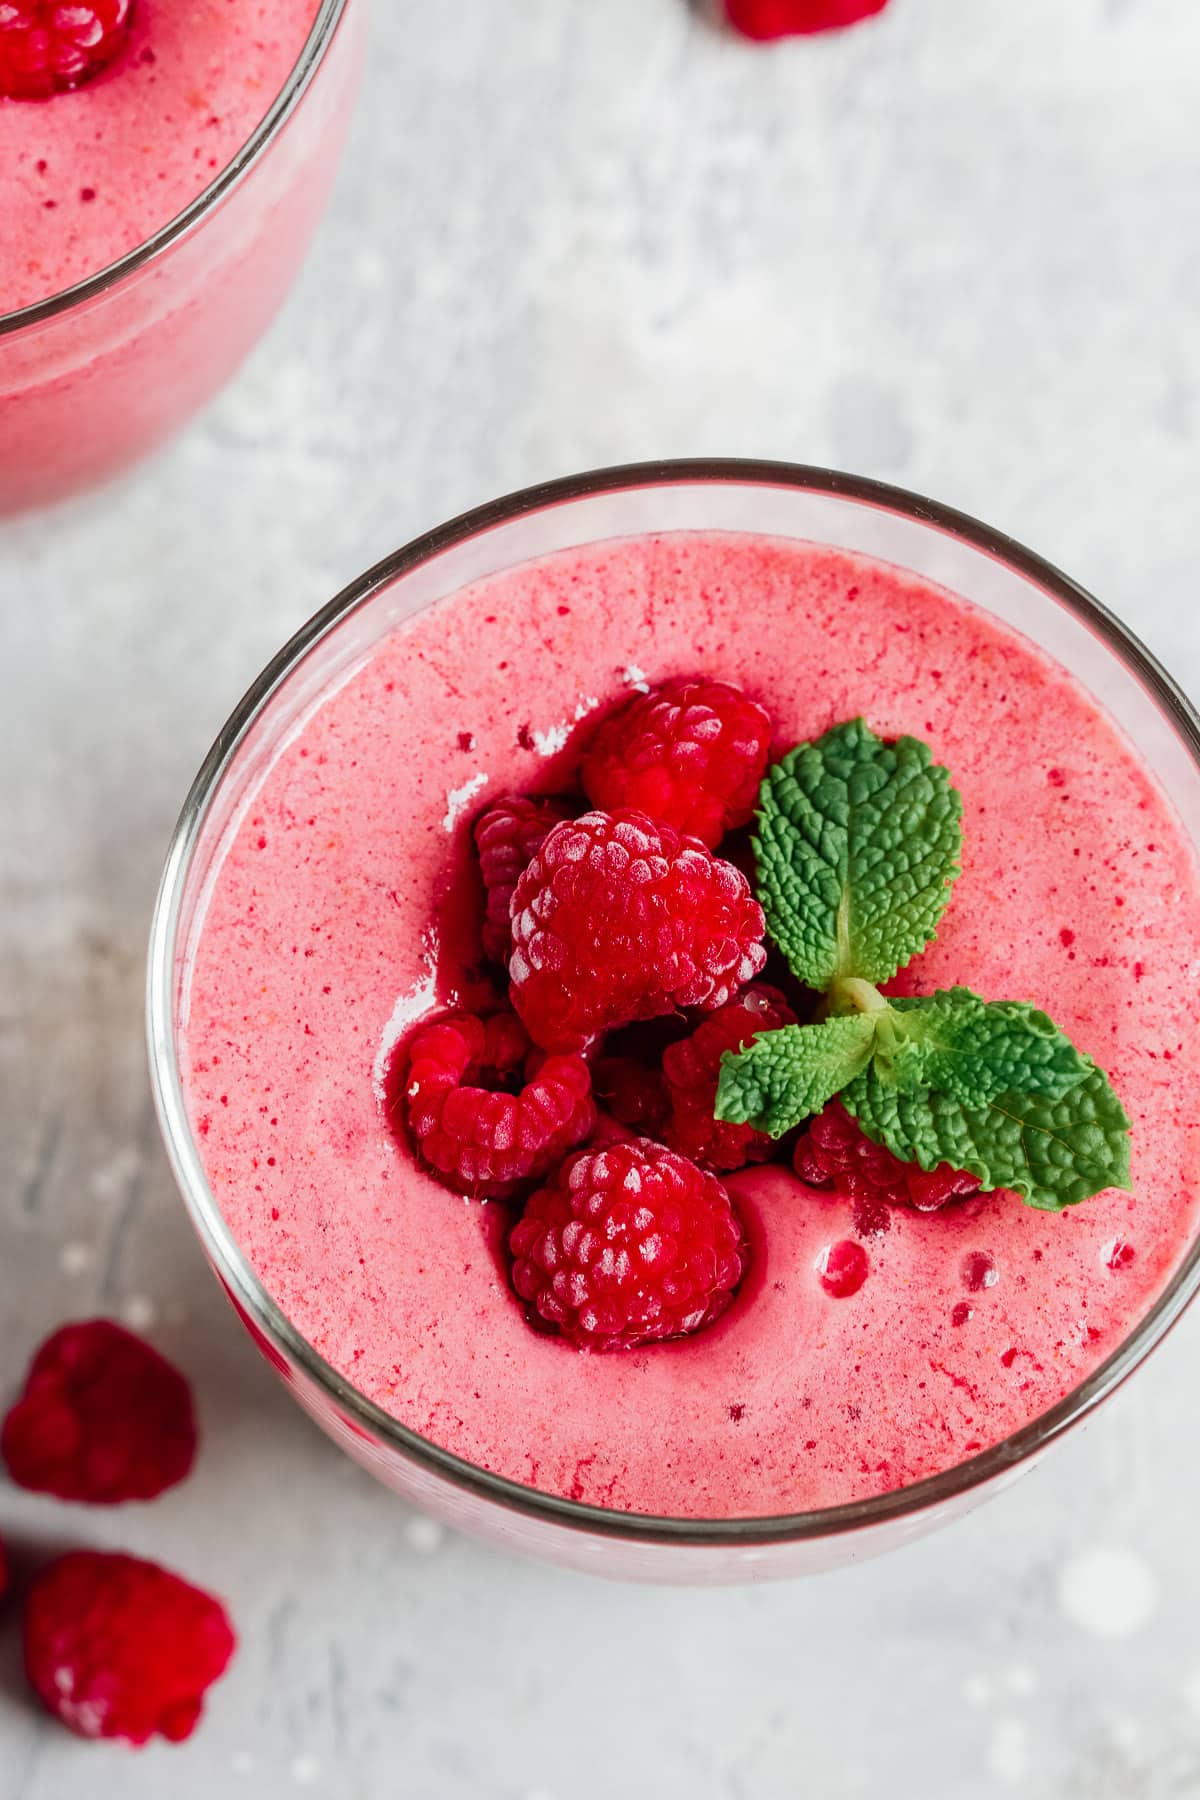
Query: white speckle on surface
x=977 y=1690
x=1008 y=1751
x=635 y=678
x=1107 y=1592
x=553 y=739
x=408 y=1008
x=1125 y=1734
x=587 y=704
x=76 y=1259
x=459 y=798
x=139 y=1313
x=305 y=1771
x=1020 y=1679
x=1190 y=1688
x=424 y=1535
x=112 y=1176
x=242 y=1762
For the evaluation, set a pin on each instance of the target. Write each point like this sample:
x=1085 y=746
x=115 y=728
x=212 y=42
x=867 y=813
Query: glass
x=94 y=377
x=770 y=498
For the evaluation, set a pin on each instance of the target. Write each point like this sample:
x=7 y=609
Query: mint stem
x=851 y=994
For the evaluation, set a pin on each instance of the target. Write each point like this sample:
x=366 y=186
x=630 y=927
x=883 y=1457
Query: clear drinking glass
x=773 y=499
x=94 y=377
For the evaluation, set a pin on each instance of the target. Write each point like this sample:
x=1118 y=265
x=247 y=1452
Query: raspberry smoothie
x=96 y=171
x=345 y=906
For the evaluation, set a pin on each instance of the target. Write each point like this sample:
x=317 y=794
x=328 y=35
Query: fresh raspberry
x=47 y=46
x=103 y=1418
x=835 y=1153
x=507 y=836
x=692 y=1069
x=617 y=919
x=479 y=1136
x=763 y=19
x=628 y=1245
x=119 y=1648
x=690 y=754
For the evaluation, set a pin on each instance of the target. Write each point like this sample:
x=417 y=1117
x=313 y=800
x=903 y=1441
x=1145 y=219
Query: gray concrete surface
x=959 y=249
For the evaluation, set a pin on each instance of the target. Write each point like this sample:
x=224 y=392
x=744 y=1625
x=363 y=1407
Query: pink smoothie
x=1079 y=892
x=91 y=175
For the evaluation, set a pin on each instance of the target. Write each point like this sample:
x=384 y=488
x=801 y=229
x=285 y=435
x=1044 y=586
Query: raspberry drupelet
x=507 y=836
x=48 y=46
x=119 y=1648
x=103 y=1418
x=478 y=1137
x=628 y=1245
x=617 y=919
x=691 y=1070
x=690 y=754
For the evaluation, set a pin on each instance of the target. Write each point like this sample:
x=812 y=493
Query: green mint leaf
x=857 y=844
x=1053 y=1153
x=785 y=1075
x=974 y=1049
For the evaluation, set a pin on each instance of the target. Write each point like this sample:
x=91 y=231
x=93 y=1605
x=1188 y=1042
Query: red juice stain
x=1118 y=1254
x=979 y=1271
x=1066 y=937
x=842 y=1268
x=962 y=1312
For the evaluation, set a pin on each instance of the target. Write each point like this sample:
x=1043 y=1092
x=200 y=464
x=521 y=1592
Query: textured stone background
x=959 y=249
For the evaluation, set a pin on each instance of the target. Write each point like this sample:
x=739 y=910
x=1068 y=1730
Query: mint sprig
x=857 y=846
x=1053 y=1152
x=974 y=1049
x=788 y=1074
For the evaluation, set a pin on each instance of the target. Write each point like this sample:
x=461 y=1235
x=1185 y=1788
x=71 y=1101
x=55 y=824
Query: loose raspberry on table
x=119 y=1648
x=48 y=46
x=763 y=19
x=690 y=754
x=617 y=919
x=481 y=1117
x=835 y=1153
x=692 y=1069
x=628 y=1245
x=103 y=1418
x=507 y=836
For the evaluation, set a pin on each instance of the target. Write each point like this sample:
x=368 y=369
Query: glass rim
x=231 y=1263
x=320 y=36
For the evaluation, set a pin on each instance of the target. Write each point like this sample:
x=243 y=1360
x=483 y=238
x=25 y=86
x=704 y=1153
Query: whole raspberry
x=507 y=836
x=690 y=754
x=103 y=1418
x=764 y=19
x=835 y=1153
x=474 y=1117
x=119 y=1648
x=617 y=919
x=628 y=1245
x=692 y=1069
x=47 y=46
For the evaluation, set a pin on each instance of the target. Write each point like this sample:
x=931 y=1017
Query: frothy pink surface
x=1079 y=892
x=90 y=175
